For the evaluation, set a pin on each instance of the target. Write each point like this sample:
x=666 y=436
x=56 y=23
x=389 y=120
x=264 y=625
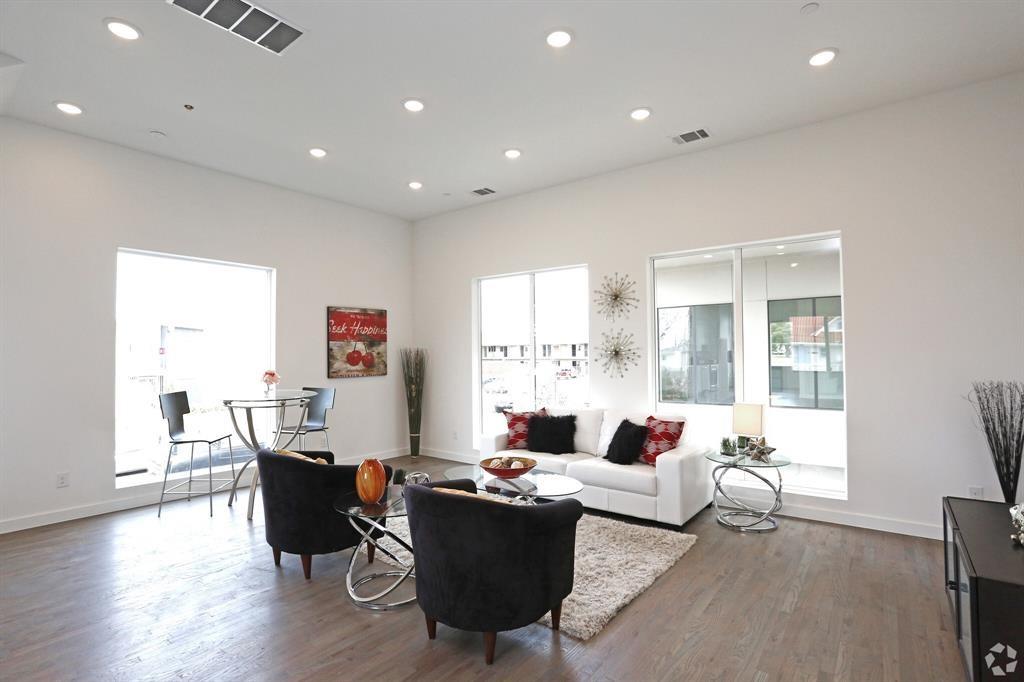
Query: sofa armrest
x=684 y=482
x=492 y=444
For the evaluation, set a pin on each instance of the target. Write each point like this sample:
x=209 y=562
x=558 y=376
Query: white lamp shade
x=748 y=419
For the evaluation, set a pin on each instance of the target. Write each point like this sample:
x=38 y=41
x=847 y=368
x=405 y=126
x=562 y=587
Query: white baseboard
x=800 y=509
x=143 y=496
x=467 y=457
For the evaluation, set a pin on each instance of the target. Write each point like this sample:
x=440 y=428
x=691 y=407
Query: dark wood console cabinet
x=985 y=587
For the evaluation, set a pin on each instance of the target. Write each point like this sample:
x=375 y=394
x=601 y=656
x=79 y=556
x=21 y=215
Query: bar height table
x=275 y=399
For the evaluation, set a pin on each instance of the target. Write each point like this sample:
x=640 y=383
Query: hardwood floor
x=128 y=596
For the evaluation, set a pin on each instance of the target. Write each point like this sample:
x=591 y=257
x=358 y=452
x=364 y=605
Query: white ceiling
x=489 y=80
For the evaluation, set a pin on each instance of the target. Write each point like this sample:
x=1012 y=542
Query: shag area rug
x=601 y=587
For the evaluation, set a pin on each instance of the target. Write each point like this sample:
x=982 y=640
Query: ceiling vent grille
x=483 y=191
x=245 y=20
x=692 y=136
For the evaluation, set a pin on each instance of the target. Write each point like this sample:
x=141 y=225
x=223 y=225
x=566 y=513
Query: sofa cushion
x=627 y=443
x=546 y=461
x=518 y=425
x=662 y=436
x=588 y=427
x=551 y=434
x=634 y=478
x=612 y=419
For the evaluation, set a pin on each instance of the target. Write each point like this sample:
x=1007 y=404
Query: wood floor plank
x=127 y=596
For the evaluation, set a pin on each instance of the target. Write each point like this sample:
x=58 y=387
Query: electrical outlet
x=455 y=435
x=975 y=492
x=63 y=479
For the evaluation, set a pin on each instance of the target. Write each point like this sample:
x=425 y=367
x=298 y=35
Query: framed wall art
x=357 y=342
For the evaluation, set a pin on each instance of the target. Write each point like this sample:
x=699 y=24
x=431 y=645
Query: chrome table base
x=398 y=576
x=742 y=517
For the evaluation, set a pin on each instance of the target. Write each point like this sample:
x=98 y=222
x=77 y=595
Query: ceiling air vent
x=692 y=136
x=483 y=191
x=245 y=20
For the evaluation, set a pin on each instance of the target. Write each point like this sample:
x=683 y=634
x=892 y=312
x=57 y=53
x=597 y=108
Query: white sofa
x=673 y=491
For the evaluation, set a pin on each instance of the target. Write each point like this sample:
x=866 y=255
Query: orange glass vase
x=371 y=480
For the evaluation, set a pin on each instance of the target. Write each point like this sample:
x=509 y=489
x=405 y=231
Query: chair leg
x=277 y=556
x=302 y=441
x=431 y=628
x=489 y=640
x=167 y=470
x=191 y=456
x=209 y=469
x=556 y=615
x=307 y=564
x=327 y=441
x=371 y=549
x=231 y=457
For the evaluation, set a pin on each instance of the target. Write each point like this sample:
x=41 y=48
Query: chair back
x=316 y=414
x=174 y=407
x=488 y=566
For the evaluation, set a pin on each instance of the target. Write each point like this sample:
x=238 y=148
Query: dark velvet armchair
x=298 y=505
x=485 y=566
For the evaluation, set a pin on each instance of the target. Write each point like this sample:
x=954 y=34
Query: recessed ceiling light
x=69 y=108
x=810 y=8
x=122 y=29
x=707 y=255
x=780 y=246
x=317 y=153
x=512 y=153
x=641 y=114
x=822 y=57
x=415 y=185
x=413 y=105
x=559 y=38
x=793 y=265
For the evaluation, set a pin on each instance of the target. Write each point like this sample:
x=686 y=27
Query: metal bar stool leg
x=327 y=440
x=191 y=456
x=163 y=489
x=209 y=469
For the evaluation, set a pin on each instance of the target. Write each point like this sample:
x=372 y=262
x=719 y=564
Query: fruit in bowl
x=507 y=467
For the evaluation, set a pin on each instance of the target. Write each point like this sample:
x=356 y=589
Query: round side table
x=742 y=517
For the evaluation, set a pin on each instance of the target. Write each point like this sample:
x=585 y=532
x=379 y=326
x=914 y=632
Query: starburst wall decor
x=616 y=297
x=617 y=352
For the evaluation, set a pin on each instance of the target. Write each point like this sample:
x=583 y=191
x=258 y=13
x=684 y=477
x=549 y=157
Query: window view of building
x=695 y=349
x=181 y=326
x=806 y=352
x=534 y=343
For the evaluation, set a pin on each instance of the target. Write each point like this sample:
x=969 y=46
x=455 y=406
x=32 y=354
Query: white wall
x=927 y=195
x=66 y=204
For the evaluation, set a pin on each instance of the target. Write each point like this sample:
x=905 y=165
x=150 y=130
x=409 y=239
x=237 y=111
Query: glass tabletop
x=744 y=461
x=537 y=483
x=391 y=505
x=275 y=395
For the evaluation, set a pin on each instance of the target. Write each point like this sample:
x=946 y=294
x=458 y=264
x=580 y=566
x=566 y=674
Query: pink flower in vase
x=271 y=377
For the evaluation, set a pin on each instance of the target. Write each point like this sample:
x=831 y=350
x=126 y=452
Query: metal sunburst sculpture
x=616 y=296
x=618 y=351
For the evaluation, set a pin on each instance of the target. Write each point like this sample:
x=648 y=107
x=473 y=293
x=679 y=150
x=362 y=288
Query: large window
x=759 y=324
x=806 y=352
x=184 y=324
x=534 y=343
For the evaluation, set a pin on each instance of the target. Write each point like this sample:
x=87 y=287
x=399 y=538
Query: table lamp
x=747 y=421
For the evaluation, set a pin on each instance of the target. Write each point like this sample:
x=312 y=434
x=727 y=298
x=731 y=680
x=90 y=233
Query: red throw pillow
x=518 y=426
x=662 y=436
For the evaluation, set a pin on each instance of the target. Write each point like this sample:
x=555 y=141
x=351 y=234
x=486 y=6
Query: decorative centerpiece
x=1000 y=407
x=371 y=481
x=270 y=378
x=508 y=467
x=414 y=371
x=729 y=447
x=758 y=450
x=1017 y=519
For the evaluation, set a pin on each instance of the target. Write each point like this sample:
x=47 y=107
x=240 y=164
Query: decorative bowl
x=508 y=472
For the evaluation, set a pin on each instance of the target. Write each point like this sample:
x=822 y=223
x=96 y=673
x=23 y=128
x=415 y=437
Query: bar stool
x=316 y=416
x=174 y=407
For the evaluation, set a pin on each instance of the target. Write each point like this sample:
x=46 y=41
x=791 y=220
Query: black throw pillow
x=551 y=434
x=627 y=443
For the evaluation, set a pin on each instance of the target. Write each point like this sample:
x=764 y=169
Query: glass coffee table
x=367 y=519
x=530 y=486
x=743 y=517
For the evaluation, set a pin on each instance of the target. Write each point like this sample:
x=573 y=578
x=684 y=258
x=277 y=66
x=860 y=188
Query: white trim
x=465 y=457
x=147 y=495
x=801 y=510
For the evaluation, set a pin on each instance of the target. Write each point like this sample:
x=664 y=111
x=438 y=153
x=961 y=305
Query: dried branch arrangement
x=414 y=371
x=1000 y=407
